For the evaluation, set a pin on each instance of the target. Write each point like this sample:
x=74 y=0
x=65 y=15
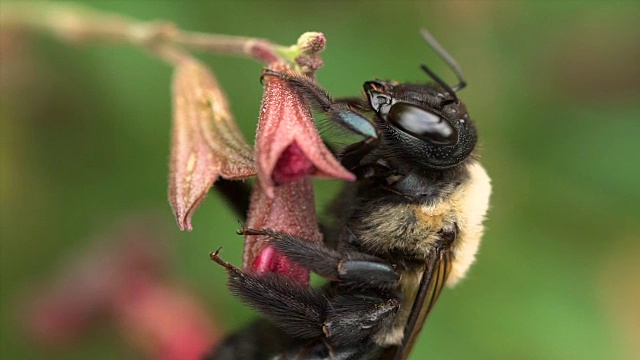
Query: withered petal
x=206 y=141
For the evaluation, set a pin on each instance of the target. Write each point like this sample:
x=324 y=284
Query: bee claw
x=245 y=231
x=242 y=229
x=215 y=256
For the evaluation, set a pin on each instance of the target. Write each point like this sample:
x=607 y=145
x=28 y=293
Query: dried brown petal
x=286 y=126
x=291 y=210
x=206 y=141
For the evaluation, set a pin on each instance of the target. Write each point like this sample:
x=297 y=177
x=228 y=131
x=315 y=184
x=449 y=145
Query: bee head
x=423 y=122
x=426 y=122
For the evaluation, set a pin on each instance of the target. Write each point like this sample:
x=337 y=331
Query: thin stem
x=75 y=23
x=260 y=49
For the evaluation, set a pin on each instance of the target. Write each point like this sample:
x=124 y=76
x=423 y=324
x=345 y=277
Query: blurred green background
x=553 y=88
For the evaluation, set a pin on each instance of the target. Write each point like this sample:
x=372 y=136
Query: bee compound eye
x=422 y=124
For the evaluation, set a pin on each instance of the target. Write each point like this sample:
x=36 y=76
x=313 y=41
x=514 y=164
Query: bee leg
x=353 y=318
x=342 y=112
x=256 y=341
x=346 y=321
x=355 y=103
x=351 y=158
x=298 y=310
x=308 y=313
x=354 y=268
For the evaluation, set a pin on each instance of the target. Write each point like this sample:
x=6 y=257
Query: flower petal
x=206 y=141
x=285 y=121
x=291 y=210
x=292 y=165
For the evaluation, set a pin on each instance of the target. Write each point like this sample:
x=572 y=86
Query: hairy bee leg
x=308 y=313
x=358 y=269
x=259 y=340
x=297 y=309
x=352 y=155
x=352 y=318
x=346 y=320
x=355 y=103
x=340 y=112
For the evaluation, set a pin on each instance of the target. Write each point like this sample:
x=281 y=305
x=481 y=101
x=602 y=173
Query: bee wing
x=433 y=280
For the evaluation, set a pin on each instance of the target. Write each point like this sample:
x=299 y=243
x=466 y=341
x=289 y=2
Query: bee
x=408 y=226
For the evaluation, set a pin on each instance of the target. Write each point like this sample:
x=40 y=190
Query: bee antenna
x=449 y=60
x=440 y=82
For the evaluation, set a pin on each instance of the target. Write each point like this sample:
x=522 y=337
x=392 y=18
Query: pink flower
x=291 y=210
x=288 y=146
x=288 y=151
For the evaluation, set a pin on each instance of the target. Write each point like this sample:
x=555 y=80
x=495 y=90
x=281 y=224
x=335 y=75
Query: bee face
x=427 y=125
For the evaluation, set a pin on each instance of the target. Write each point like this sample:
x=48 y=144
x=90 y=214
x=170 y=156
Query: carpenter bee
x=410 y=224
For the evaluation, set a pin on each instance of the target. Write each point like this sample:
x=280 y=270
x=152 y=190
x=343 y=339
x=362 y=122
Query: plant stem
x=258 y=49
x=75 y=23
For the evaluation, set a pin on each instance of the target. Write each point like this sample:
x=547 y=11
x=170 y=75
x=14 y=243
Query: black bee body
x=410 y=224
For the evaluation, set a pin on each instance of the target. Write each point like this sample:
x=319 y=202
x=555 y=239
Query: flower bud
x=311 y=43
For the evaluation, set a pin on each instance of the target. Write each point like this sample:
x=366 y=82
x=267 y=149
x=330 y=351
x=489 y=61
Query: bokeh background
x=553 y=88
